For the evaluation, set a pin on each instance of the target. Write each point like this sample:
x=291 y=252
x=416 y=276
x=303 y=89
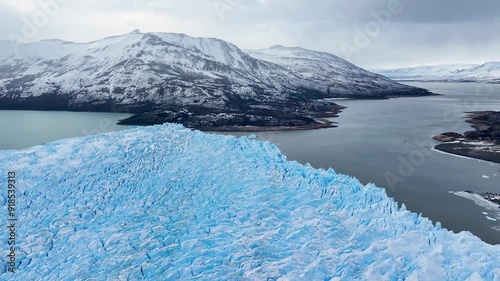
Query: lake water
x=372 y=141
x=22 y=129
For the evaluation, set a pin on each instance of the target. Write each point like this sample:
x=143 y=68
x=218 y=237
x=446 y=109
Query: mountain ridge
x=172 y=77
x=486 y=72
x=333 y=75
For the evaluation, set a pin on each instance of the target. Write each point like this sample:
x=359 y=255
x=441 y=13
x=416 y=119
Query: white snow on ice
x=167 y=203
x=478 y=199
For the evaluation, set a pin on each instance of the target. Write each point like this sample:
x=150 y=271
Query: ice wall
x=167 y=203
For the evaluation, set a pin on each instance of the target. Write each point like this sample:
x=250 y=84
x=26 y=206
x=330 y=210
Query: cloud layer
x=372 y=34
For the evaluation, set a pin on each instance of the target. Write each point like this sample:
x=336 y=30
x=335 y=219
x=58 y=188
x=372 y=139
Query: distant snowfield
x=167 y=203
x=487 y=72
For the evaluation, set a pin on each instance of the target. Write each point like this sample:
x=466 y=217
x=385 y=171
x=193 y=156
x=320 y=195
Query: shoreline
x=326 y=124
x=311 y=117
x=456 y=155
x=249 y=116
x=469 y=151
x=482 y=144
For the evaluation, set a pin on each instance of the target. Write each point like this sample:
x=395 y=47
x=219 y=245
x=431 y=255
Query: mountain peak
x=135 y=31
x=278 y=47
x=281 y=47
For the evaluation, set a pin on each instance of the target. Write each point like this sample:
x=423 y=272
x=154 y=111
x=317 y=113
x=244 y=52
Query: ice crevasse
x=169 y=203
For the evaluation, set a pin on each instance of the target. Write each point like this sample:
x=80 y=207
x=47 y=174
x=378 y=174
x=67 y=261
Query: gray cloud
x=423 y=32
x=452 y=11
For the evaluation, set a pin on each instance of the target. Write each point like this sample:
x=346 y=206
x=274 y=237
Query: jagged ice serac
x=169 y=203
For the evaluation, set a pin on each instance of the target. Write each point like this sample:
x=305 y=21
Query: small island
x=483 y=143
x=285 y=116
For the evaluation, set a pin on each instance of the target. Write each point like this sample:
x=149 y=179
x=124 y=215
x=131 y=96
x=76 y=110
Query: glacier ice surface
x=168 y=203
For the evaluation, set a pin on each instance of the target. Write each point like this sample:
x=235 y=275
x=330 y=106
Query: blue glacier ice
x=168 y=203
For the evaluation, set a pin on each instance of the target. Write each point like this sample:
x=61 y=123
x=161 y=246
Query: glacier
x=169 y=203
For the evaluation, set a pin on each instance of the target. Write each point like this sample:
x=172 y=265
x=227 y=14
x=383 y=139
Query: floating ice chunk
x=485 y=177
x=478 y=199
x=491 y=219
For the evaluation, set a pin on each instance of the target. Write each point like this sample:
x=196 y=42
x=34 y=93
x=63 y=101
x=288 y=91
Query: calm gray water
x=372 y=140
x=22 y=129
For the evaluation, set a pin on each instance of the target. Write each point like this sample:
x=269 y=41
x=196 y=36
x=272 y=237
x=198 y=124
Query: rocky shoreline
x=249 y=118
x=246 y=116
x=285 y=115
x=239 y=115
x=317 y=124
x=483 y=143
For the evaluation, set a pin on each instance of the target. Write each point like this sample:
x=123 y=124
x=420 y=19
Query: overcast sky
x=370 y=33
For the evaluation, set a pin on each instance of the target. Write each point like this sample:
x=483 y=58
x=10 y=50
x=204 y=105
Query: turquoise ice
x=168 y=203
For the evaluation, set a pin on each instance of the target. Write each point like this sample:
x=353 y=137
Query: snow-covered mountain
x=174 y=73
x=488 y=72
x=167 y=203
x=332 y=75
x=139 y=69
